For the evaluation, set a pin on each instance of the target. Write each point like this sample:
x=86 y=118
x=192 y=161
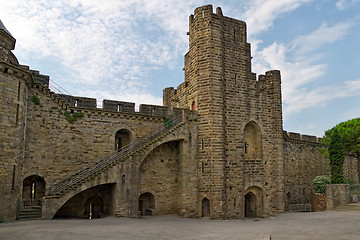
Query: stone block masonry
x=216 y=148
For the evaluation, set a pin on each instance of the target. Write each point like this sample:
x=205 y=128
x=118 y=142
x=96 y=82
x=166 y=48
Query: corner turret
x=7 y=43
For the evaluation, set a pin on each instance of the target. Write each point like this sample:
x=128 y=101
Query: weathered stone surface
x=337 y=195
x=216 y=148
x=318 y=202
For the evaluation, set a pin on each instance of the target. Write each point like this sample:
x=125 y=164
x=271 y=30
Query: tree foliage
x=345 y=138
x=336 y=155
x=349 y=132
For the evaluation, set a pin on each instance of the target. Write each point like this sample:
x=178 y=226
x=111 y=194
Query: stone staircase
x=31 y=212
x=136 y=147
x=30 y=209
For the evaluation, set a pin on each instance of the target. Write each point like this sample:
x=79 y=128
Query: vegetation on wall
x=348 y=134
x=73 y=117
x=35 y=99
x=168 y=123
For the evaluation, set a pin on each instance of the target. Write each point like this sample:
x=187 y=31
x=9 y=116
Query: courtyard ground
x=311 y=225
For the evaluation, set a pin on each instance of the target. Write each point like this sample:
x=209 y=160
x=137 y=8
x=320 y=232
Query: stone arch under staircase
x=120 y=168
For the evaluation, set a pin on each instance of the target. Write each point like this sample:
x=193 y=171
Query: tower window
x=19 y=87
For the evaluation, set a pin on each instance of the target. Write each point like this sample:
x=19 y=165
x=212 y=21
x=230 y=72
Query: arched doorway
x=252 y=141
x=122 y=138
x=147 y=204
x=33 y=189
x=94 y=207
x=205 y=209
x=253 y=202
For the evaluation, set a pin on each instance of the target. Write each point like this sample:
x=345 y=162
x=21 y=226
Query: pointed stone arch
x=252 y=141
x=205 y=208
x=253 y=206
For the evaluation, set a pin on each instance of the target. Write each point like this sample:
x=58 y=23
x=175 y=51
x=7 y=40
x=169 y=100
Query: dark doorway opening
x=94 y=207
x=122 y=138
x=205 y=209
x=33 y=188
x=147 y=204
x=250 y=205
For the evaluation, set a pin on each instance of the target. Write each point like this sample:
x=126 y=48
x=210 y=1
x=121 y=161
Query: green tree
x=336 y=155
x=349 y=134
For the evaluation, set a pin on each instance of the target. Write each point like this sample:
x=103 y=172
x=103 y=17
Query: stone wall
x=350 y=168
x=159 y=175
x=13 y=107
x=337 y=195
x=56 y=148
x=302 y=163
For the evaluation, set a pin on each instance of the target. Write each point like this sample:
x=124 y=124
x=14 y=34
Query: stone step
x=30 y=213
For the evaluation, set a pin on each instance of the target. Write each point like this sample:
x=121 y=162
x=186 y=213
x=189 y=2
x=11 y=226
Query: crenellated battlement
x=40 y=78
x=301 y=137
x=271 y=79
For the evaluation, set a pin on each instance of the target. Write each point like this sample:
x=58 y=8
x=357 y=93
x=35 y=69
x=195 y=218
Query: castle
x=216 y=148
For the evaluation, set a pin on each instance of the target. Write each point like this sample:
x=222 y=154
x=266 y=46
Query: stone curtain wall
x=56 y=148
x=302 y=163
x=350 y=168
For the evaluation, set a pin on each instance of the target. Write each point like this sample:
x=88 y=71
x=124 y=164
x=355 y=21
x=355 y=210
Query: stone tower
x=13 y=80
x=240 y=152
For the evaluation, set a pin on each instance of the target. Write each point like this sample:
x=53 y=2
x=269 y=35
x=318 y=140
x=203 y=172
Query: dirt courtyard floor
x=312 y=225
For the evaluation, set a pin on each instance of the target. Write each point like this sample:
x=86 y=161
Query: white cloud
x=102 y=45
x=261 y=14
x=322 y=95
x=300 y=67
x=323 y=35
x=345 y=4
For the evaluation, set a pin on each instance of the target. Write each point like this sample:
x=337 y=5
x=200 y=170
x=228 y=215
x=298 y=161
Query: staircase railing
x=112 y=159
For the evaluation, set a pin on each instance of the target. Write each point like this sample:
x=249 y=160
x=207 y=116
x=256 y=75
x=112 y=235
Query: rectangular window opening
x=202 y=167
x=13 y=178
x=17 y=114
x=19 y=87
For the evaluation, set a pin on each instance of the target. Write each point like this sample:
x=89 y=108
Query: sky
x=130 y=50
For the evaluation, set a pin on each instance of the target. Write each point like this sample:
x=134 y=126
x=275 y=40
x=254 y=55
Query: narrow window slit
x=19 y=87
x=17 y=114
x=13 y=178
